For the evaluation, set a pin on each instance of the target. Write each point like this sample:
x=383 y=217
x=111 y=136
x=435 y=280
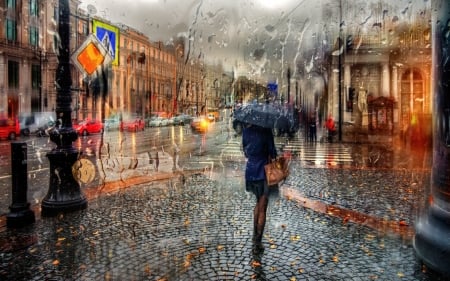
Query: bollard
x=20 y=212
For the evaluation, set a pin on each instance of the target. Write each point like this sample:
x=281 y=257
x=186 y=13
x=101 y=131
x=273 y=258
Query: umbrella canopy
x=263 y=115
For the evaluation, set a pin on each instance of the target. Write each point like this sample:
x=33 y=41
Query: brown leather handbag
x=277 y=170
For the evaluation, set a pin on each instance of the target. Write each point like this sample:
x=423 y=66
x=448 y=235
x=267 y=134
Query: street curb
x=383 y=226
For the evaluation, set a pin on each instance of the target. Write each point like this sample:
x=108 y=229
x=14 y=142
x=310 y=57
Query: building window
x=35 y=76
x=11 y=4
x=34 y=8
x=85 y=28
x=13 y=74
x=34 y=36
x=11 y=30
x=55 y=13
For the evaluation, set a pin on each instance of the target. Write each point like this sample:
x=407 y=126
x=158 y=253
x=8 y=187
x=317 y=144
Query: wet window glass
x=157 y=109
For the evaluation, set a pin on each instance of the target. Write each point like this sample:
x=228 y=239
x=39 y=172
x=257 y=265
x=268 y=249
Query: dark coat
x=258 y=146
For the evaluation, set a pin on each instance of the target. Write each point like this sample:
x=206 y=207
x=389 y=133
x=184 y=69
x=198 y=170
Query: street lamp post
x=64 y=194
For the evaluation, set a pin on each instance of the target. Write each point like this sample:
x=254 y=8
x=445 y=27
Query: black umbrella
x=263 y=115
x=282 y=118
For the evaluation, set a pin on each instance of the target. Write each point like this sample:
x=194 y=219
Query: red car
x=133 y=125
x=9 y=128
x=88 y=127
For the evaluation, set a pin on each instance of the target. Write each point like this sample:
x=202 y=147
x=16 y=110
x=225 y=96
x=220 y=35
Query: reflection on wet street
x=361 y=198
x=351 y=155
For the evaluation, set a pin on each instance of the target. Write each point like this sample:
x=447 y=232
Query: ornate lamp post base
x=64 y=194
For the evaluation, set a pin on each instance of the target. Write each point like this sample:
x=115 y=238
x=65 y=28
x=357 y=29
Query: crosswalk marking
x=306 y=153
x=231 y=151
x=317 y=154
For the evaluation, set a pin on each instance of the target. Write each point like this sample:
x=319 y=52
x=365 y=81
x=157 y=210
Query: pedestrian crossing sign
x=108 y=35
x=91 y=56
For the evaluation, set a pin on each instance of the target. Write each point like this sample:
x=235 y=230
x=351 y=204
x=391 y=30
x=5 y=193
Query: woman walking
x=259 y=148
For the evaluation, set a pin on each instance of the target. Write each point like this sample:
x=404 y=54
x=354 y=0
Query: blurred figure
x=176 y=154
x=259 y=148
x=312 y=129
x=154 y=158
x=331 y=128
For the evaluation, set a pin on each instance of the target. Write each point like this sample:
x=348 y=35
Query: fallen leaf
x=256 y=264
x=295 y=237
x=336 y=259
x=55 y=262
x=201 y=250
x=82 y=267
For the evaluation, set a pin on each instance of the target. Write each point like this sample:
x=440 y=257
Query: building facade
x=379 y=85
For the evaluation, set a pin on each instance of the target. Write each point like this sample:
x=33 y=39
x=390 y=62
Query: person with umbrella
x=259 y=147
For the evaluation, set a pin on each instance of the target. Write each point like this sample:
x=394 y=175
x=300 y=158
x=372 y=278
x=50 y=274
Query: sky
x=260 y=38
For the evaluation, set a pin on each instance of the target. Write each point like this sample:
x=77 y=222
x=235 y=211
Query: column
x=3 y=95
x=394 y=95
x=385 y=80
x=431 y=242
x=334 y=102
x=347 y=84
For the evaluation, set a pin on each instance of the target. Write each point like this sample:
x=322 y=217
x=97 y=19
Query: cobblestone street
x=201 y=230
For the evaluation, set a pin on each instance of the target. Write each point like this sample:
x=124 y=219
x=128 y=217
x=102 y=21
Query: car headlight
x=203 y=124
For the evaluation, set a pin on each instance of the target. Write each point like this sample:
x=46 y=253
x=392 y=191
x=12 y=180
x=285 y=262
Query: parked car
x=182 y=119
x=112 y=124
x=9 y=128
x=214 y=116
x=211 y=117
x=200 y=124
x=36 y=123
x=170 y=121
x=88 y=127
x=134 y=125
x=158 y=122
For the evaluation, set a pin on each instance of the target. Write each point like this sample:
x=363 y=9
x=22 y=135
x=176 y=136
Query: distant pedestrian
x=259 y=147
x=175 y=155
x=154 y=158
x=312 y=129
x=331 y=128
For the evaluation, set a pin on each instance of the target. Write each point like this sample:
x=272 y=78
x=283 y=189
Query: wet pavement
x=323 y=224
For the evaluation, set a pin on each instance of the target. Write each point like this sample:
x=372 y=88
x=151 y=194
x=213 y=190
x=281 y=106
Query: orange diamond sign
x=90 y=56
